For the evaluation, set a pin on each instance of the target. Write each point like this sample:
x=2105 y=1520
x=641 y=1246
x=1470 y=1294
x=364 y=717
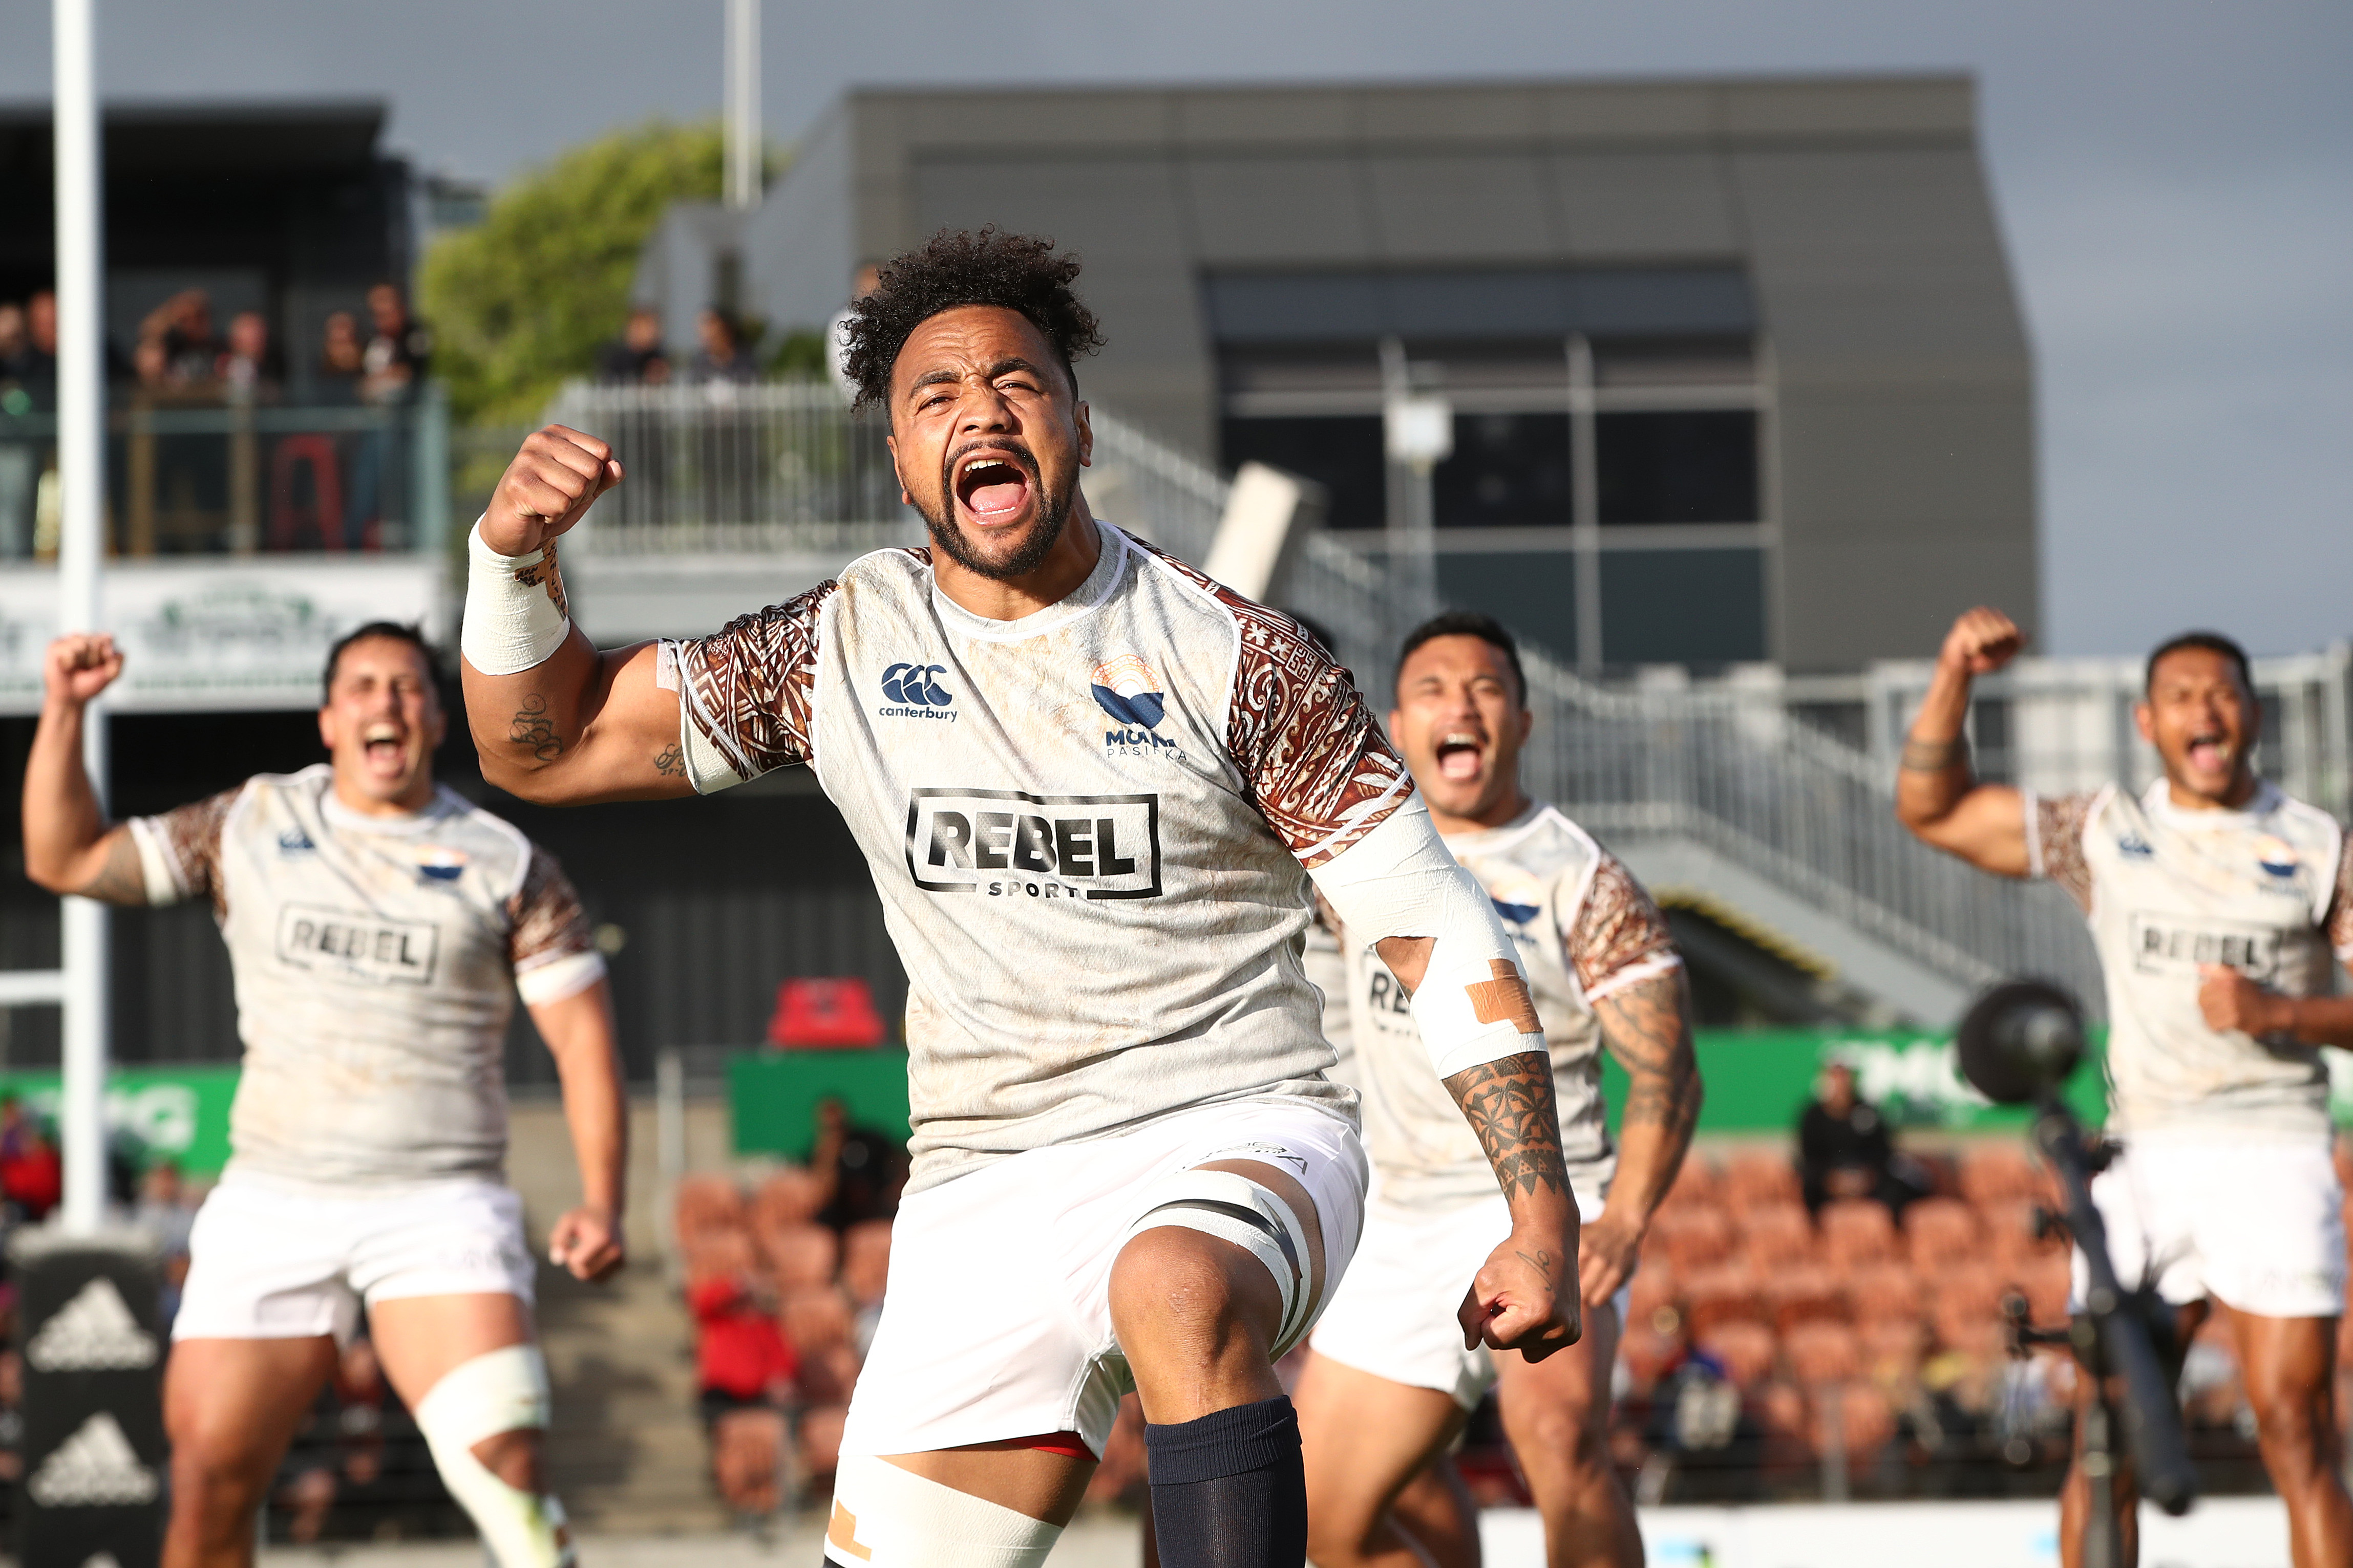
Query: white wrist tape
x=1472 y=1004
x=515 y=613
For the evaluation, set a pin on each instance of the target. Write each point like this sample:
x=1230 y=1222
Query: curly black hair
x=1018 y=271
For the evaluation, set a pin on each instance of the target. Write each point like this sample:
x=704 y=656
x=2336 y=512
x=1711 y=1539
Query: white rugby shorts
x=1394 y=1313
x=998 y=1321
x=269 y=1262
x=2259 y=1226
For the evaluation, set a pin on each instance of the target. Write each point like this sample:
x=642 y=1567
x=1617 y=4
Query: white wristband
x=515 y=613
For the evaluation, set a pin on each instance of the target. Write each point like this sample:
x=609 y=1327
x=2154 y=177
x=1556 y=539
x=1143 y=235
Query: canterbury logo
x=916 y=685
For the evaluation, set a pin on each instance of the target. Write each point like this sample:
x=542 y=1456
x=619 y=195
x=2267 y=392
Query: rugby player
x=1389 y=1378
x=379 y=928
x=1091 y=787
x=2218 y=905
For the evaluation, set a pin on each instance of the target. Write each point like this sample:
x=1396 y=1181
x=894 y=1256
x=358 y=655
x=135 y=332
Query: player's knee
x=1214 y=1247
x=1569 y=1437
x=213 y=1479
x=2294 y=1429
x=511 y=1456
x=1185 y=1280
x=1339 y=1531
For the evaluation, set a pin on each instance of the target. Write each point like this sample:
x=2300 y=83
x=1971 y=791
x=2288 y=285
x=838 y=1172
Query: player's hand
x=78 y=665
x=1525 y=1298
x=1981 y=641
x=547 y=489
x=587 y=1241
x=1606 y=1251
x=2233 y=1002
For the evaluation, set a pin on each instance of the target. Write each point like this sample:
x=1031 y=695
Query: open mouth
x=1460 y=755
x=2210 y=752
x=993 y=487
x=386 y=746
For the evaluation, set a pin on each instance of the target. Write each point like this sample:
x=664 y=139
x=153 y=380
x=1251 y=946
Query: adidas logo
x=93 y=1332
x=95 y=1467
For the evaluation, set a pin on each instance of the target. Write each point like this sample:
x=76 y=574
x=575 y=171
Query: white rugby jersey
x=376 y=963
x=1584 y=928
x=2262 y=890
x=1089 y=828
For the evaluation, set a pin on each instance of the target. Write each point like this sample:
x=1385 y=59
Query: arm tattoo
x=670 y=762
x=1646 y=1027
x=535 y=727
x=1509 y=1104
x=121 y=880
x=1935 y=756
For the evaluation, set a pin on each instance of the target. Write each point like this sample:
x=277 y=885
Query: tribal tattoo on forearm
x=1934 y=756
x=1647 y=1027
x=1509 y=1104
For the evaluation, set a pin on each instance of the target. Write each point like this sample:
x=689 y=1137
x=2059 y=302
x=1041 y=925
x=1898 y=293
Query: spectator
x=635 y=357
x=14 y=339
x=862 y=1170
x=164 y=1210
x=745 y=1373
x=396 y=354
x=249 y=363
x=177 y=348
x=722 y=357
x=1845 y=1149
x=37 y=368
x=343 y=358
x=32 y=1178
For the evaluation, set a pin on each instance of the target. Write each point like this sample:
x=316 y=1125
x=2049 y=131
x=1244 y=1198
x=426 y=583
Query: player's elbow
x=523 y=775
x=47 y=873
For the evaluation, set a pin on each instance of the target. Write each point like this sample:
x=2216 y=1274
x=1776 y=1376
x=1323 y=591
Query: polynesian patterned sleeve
x=1617 y=936
x=180 y=851
x=549 y=941
x=2054 y=841
x=748 y=688
x=1315 y=764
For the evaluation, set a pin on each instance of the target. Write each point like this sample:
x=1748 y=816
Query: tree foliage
x=522 y=301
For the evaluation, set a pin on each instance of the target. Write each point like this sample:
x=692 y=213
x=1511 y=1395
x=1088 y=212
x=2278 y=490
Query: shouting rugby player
x=1091 y=787
x=2218 y=905
x=1389 y=1380
x=379 y=928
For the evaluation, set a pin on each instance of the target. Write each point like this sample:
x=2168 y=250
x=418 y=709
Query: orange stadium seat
x=1941 y=1234
x=1996 y=1171
x=1653 y=1287
x=1696 y=1185
x=1803 y=1293
x=866 y=1260
x=790 y=1197
x=705 y=1203
x=1756 y=1178
x=1722 y=1294
x=1856 y=1231
x=1866 y=1421
x=2009 y=1231
x=820 y=1445
x=1883 y=1293
x=800 y=1256
x=814 y=1317
x=2044 y=1280
x=718 y=1254
x=1695 y=1237
x=1777 y=1236
x=1821 y=1352
x=1892 y=1348
x=1745 y=1348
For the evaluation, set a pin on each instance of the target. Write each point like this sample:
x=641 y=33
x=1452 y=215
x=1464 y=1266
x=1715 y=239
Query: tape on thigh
x=884 y=1517
x=1232 y=1207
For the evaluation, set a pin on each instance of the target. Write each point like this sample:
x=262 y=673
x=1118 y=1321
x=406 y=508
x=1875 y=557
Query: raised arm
x=555 y=721
x=1938 y=795
x=70 y=846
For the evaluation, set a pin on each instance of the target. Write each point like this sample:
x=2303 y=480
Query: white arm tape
x=511 y=624
x=1472 y=1005
x=155 y=868
x=558 y=976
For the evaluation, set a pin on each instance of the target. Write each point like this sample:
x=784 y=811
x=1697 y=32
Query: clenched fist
x=1982 y=642
x=547 y=489
x=77 y=667
x=1525 y=1299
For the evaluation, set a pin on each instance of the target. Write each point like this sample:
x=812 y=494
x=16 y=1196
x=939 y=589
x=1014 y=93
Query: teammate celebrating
x=2215 y=901
x=1091 y=785
x=1389 y=1377
x=379 y=929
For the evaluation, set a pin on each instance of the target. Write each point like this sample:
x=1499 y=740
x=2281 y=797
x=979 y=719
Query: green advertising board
x=772 y=1096
x=180 y=1112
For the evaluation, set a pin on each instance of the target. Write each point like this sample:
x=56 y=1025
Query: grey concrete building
x=1734 y=367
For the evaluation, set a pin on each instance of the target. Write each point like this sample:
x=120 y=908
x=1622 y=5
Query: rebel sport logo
x=914 y=692
x=1003 y=843
x=2161 y=945
x=357 y=946
x=1126 y=689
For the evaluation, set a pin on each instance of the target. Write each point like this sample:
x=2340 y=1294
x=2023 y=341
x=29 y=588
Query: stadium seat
x=1696 y=1185
x=1721 y=1294
x=1777 y=1236
x=1694 y=1236
x=1756 y=1178
x=789 y=1196
x=1865 y=1421
x=1821 y=1352
x=1745 y=1348
x=1653 y=1287
x=1995 y=1170
x=814 y=1317
x=800 y=1256
x=1856 y=1231
x=1892 y=1348
x=2044 y=1280
x=705 y=1203
x=825 y=1014
x=1883 y=1293
x=1942 y=1233
x=1803 y=1293
x=866 y=1260
x=717 y=1255
x=820 y=1444
x=2009 y=1236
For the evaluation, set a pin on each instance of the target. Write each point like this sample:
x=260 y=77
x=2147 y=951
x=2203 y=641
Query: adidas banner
x=93 y=1434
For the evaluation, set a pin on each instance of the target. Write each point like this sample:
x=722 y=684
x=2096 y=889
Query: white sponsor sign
x=219 y=634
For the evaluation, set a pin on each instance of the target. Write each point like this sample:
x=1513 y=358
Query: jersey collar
x=1110 y=562
x=2158 y=801
x=1498 y=837
x=444 y=803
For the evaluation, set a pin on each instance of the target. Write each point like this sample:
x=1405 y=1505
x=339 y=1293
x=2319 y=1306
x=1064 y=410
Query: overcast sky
x=2175 y=180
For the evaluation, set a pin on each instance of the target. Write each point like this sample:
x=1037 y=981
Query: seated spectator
x=862 y=1171
x=32 y=1178
x=1845 y=1149
x=635 y=357
x=398 y=351
x=722 y=356
x=745 y=1373
x=249 y=364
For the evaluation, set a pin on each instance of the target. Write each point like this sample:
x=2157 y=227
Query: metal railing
x=202 y=474
x=1748 y=767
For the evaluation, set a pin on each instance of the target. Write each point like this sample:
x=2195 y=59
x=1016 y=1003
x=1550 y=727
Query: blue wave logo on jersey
x=1518 y=914
x=916 y=686
x=2276 y=856
x=1126 y=689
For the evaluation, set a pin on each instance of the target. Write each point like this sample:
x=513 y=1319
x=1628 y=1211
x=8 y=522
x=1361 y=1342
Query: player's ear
x=1086 y=434
x=2145 y=721
x=327 y=727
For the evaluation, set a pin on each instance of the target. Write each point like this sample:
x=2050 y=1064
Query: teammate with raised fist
x=1093 y=837
x=2220 y=907
x=380 y=929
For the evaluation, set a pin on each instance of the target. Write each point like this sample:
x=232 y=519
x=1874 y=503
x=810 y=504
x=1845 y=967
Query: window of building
x=1676 y=465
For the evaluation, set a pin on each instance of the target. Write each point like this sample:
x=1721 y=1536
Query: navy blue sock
x=1228 y=1491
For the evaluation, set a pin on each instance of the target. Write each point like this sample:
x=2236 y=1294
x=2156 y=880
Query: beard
x=1023 y=558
